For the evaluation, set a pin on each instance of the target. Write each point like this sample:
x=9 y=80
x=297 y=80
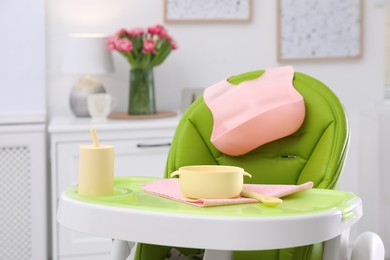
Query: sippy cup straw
x=94 y=137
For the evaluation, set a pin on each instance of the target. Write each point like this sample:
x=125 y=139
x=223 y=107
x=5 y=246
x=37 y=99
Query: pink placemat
x=169 y=188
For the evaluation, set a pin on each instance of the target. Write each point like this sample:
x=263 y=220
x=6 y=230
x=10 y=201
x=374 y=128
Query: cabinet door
x=141 y=157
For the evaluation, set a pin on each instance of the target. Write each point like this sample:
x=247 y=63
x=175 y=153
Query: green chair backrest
x=316 y=152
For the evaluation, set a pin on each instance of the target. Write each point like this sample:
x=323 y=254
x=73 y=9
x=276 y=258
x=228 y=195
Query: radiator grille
x=15 y=201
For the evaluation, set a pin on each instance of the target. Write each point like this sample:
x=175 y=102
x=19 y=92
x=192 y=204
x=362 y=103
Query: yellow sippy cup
x=96 y=168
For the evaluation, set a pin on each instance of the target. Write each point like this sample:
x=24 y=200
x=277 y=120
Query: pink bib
x=254 y=112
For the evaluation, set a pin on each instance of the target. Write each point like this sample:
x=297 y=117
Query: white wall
x=209 y=52
x=22 y=59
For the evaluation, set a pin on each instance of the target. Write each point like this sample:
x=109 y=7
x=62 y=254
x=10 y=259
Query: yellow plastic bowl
x=211 y=181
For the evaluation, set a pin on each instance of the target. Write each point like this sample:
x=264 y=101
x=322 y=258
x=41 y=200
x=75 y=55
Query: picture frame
x=318 y=30
x=188 y=96
x=207 y=11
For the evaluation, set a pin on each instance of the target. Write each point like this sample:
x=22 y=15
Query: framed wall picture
x=318 y=29
x=207 y=10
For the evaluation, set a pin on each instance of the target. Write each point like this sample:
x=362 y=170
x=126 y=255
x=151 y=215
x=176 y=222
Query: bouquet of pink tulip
x=143 y=49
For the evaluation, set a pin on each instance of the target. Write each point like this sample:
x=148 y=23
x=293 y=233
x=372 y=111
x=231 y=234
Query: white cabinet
x=141 y=148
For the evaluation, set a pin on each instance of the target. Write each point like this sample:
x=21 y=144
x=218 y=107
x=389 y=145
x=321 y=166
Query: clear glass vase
x=141 y=99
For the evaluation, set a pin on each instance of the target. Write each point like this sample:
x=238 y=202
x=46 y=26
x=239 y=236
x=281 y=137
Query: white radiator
x=23 y=192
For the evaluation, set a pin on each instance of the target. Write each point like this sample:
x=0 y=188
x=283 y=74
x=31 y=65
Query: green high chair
x=316 y=152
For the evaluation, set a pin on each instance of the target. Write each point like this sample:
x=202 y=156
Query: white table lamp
x=86 y=54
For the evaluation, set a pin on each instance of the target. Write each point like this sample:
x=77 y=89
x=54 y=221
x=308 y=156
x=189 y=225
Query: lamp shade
x=87 y=54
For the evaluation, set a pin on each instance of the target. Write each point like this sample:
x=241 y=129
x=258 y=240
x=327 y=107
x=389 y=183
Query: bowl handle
x=175 y=173
x=247 y=174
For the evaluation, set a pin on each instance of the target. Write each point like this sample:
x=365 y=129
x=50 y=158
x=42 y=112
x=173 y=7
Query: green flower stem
x=129 y=57
x=162 y=55
x=137 y=44
x=163 y=52
x=146 y=60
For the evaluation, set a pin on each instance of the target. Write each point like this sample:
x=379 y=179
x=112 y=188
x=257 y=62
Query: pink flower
x=149 y=45
x=111 y=43
x=124 y=45
x=137 y=31
x=152 y=45
x=173 y=44
x=123 y=32
x=160 y=31
x=164 y=34
x=157 y=29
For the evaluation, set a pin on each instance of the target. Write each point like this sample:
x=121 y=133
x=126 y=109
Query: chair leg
x=368 y=246
x=337 y=247
x=217 y=255
x=121 y=249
